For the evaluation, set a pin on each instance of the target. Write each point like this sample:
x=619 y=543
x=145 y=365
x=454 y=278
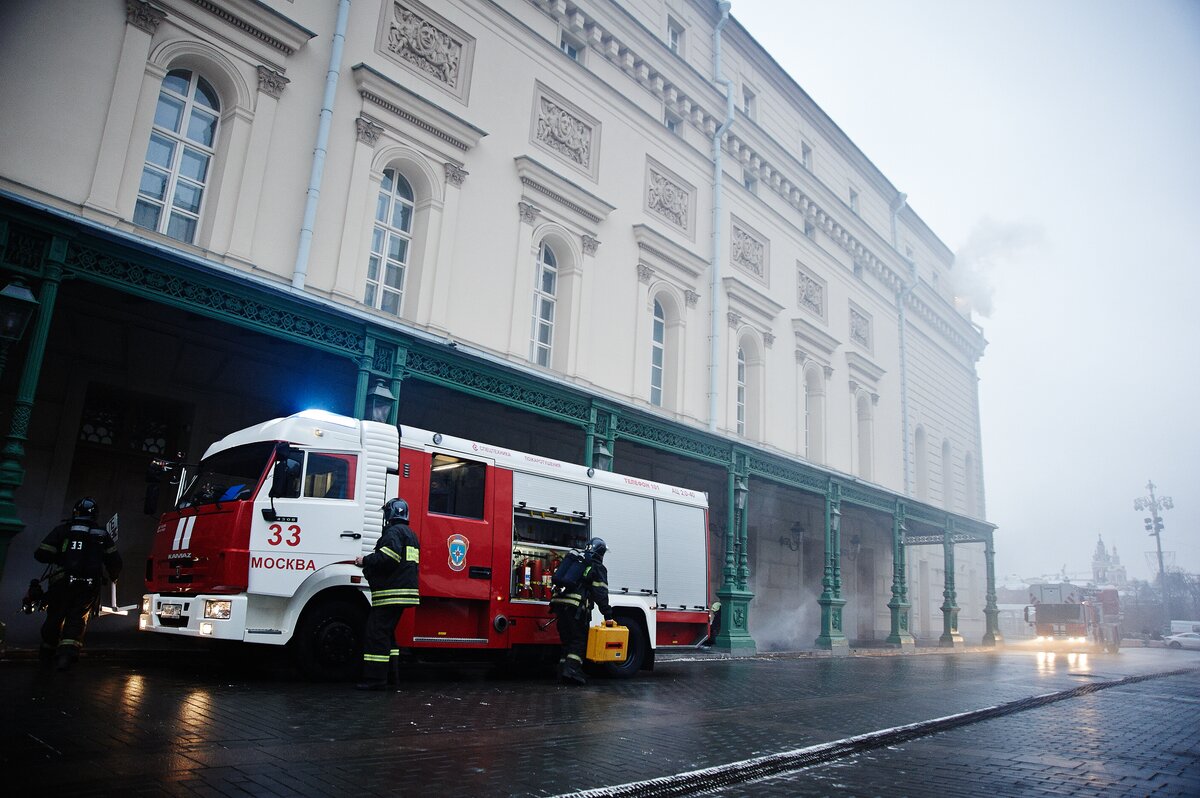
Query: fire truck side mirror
x=281 y=474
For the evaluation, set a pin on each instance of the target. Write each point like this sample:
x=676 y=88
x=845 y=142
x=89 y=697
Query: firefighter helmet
x=395 y=510
x=596 y=547
x=86 y=510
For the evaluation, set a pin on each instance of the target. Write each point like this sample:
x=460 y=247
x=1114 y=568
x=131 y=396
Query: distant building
x=1107 y=568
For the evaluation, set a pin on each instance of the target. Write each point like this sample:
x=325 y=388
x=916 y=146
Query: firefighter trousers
x=68 y=609
x=380 y=653
x=572 y=631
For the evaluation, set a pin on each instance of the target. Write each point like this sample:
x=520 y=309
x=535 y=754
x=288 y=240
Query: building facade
x=617 y=234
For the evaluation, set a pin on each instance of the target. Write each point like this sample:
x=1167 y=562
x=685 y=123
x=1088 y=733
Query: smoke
x=991 y=247
x=793 y=629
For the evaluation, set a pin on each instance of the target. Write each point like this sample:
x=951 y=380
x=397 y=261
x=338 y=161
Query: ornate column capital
x=143 y=16
x=590 y=244
x=270 y=82
x=691 y=297
x=528 y=212
x=455 y=174
x=734 y=319
x=368 y=130
x=769 y=339
x=645 y=273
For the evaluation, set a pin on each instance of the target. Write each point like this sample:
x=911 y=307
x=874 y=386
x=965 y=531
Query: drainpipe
x=714 y=355
x=902 y=296
x=318 y=163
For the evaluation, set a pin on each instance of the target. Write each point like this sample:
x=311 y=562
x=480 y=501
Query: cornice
x=811 y=337
x=959 y=331
x=747 y=300
x=261 y=22
x=549 y=183
x=862 y=368
x=664 y=251
x=381 y=90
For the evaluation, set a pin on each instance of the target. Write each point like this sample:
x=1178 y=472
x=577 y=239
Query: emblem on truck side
x=458 y=551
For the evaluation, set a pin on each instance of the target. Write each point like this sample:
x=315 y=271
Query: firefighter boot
x=573 y=672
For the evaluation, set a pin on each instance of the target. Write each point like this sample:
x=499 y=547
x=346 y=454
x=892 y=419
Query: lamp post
x=380 y=402
x=1154 y=525
x=17 y=305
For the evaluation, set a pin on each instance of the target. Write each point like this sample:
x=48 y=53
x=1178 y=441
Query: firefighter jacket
x=81 y=551
x=593 y=589
x=391 y=569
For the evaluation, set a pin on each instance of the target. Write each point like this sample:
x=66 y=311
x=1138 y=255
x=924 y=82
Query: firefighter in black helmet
x=82 y=554
x=391 y=571
x=573 y=609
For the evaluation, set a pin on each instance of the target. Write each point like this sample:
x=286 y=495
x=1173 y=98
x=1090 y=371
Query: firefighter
x=573 y=610
x=82 y=554
x=391 y=571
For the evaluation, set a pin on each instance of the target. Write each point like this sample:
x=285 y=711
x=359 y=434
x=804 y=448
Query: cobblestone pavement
x=182 y=725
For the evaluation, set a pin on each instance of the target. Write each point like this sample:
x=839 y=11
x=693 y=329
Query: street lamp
x=1154 y=525
x=17 y=304
x=380 y=402
x=602 y=457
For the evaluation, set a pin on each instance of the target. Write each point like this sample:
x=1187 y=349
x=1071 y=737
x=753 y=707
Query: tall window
x=391 y=241
x=657 y=354
x=179 y=157
x=865 y=437
x=947 y=477
x=544 y=298
x=814 y=414
x=674 y=36
x=921 y=460
x=741 y=391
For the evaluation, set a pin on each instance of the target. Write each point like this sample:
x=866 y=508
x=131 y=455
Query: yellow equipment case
x=608 y=642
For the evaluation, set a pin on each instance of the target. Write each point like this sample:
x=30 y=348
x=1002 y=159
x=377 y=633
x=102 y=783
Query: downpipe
x=715 y=267
x=300 y=272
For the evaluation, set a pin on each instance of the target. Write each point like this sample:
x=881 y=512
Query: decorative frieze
x=747 y=251
x=667 y=199
x=810 y=292
x=563 y=132
x=143 y=16
x=368 y=131
x=860 y=327
x=270 y=82
x=416 y=37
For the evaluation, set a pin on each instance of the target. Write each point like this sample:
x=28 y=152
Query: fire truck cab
x=261 y=544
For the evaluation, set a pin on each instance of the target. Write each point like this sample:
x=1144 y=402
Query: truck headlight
x=146 y=605
x=218 y=609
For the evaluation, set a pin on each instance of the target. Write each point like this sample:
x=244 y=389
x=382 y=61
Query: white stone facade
x=579 y=126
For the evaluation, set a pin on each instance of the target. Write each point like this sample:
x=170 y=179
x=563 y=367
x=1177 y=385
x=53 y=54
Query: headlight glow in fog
x=218 y=609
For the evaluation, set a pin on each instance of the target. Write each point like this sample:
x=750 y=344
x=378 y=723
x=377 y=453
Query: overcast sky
x=1053 y=144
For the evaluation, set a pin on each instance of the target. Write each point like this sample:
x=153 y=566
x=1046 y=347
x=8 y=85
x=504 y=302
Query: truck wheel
x=1174 y=644
x=329 y=639
x=639 y=644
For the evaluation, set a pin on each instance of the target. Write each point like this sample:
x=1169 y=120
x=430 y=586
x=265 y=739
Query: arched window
x=658 y=343
x=545 y=292
x=391 y=241
x=741 y=391
x=814 y=414
x=921 y=462
x=947 y=477
x=179 y=157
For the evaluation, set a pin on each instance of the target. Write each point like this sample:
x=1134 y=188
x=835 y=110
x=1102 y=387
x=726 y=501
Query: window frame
x=541 y=300
x=658 y=347
x=376 y=289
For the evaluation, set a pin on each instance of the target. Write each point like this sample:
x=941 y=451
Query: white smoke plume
x=990 y=247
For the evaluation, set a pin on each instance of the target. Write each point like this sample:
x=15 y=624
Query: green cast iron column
x=900 y=636
x=12 y=474
x=950 y=636
x=831 y=600
x=734 y=593
x=991 y=634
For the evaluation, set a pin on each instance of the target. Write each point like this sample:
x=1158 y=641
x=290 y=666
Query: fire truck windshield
x=231 y=475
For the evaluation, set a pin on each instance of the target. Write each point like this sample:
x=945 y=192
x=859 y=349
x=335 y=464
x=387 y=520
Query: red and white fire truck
x=261 y=545
x=1074 y=618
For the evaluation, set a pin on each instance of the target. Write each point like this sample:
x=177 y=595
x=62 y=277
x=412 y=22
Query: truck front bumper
x=215 y=617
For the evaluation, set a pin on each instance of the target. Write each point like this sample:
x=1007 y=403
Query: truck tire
x=328 y=642
x=1174 y=644
x=639 y=644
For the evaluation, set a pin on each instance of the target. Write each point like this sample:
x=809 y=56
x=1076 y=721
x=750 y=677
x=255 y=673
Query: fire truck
x=260 y=546
x=1074 y=618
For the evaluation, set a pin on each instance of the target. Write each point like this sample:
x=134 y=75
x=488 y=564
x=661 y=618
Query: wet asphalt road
x=187 y=725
